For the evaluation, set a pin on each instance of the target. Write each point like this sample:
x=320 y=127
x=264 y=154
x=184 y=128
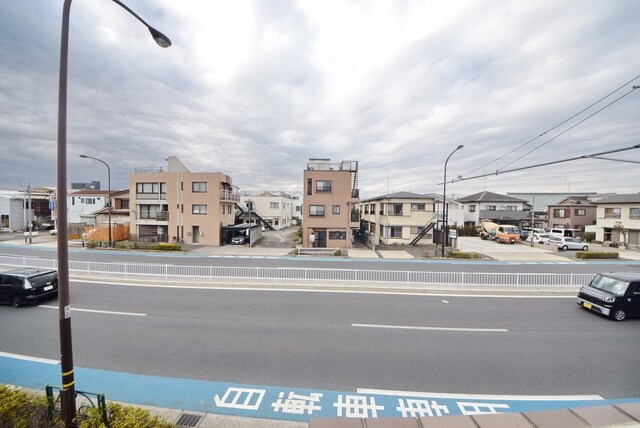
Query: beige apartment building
x=398 y=218
x=174 y=204
x=330 y=204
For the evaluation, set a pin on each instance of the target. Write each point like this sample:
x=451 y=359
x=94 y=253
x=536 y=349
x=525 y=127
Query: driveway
x=511 y=252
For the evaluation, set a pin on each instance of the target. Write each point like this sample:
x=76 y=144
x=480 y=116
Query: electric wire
x=556 y=126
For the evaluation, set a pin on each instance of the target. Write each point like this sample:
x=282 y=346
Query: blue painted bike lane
x=271 y=402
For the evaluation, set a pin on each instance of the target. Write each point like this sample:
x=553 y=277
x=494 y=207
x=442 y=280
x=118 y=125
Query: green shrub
x=337 y=252
x=589 y=237
x=91 y=244
x=20 y=409
x=597 y=255
x=168 y=247
x=464 y=255
x=23 y=410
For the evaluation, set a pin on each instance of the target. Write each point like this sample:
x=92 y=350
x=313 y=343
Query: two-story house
x=490 y=206
x=330 y=203
x=174 y=204
x=573 y=212
x=397 y=218
x=81 y=204
x=623 y=210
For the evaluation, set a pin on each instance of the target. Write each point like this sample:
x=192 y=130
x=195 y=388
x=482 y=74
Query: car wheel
x=585 y=248
x=15 y=302
x=619 y=315
x=565 y=248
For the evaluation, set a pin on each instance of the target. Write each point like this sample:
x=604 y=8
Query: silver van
x=562 y=233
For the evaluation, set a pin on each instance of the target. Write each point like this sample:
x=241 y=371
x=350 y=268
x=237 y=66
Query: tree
x=619 y=227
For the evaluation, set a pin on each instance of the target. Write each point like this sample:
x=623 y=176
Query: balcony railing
x=229 y=196
x=154 y=196
x=157 y=216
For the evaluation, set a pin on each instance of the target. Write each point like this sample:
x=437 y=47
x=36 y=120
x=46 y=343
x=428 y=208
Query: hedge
x=20 y=409
x=597 y=255
x=157 y=246
x=464 y=255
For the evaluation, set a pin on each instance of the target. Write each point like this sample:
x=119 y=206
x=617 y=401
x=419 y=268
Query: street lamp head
x=162 y=40
x=459 y=147
x=84 y=156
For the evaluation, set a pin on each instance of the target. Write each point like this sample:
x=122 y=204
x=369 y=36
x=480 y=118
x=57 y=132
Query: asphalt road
x=343 y=341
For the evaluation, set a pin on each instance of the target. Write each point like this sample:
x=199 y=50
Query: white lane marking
x=277 y=288
x=409 y=327
x=480 y=396
x=28 y=358
x=133 y=314
x=445 y=301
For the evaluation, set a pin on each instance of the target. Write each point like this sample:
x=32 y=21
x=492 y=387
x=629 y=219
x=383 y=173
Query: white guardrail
x=312 y=274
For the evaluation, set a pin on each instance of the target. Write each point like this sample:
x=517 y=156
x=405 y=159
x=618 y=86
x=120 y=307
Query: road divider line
x=96 y=311
x=409 y=327
x=28 y=358
x=480 y=396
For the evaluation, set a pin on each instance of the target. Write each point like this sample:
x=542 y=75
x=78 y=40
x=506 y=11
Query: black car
x=612 y=294
x=28 y=285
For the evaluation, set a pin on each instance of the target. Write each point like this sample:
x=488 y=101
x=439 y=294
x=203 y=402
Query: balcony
x=157 y=216
x=229 y=196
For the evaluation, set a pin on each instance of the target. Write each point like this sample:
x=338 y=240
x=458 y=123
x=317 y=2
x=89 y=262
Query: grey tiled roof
x=632 y=198
x=489 y=197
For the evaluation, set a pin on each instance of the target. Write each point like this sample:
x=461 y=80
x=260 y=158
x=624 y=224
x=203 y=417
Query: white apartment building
x=274 y=207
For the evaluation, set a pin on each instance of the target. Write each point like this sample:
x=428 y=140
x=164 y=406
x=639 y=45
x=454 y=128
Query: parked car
x=28 y=285
x=612 y=294
x=238 y=240
x=571 y=244
x=552 y=240
x=540 y=238
x=53 y=232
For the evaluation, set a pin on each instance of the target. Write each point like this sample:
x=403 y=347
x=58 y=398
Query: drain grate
x=188 y=420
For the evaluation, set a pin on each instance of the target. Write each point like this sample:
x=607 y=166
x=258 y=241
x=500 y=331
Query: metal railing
x=308 y=275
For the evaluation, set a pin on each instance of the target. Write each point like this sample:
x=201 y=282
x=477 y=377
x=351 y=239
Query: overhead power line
x=559 y=125
x=589 y=156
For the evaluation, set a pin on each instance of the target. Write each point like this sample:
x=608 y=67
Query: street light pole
x=445 y=225
x=68 y=389
x=108 y=192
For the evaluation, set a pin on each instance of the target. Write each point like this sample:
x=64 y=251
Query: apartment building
x=172 y=203
x=331 y=197
x=622 y=210
x=298 y=202
x=397 y=218
x=275 y=208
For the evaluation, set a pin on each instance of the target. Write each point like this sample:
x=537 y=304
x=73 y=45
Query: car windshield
x=511 y=230
x=610 y=285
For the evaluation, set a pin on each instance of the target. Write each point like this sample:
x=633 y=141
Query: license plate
x=587 y=305
x=48 y=287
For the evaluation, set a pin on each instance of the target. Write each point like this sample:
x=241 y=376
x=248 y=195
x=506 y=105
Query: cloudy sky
x=256 y=88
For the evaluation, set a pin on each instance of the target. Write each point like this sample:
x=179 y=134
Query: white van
x=563 y=233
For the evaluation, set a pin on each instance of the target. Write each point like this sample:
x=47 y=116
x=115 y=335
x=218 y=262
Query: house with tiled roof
x=501 y=209
x=619 y=209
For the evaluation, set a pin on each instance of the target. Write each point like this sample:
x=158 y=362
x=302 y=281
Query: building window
x=396 y=209
x=634 y=212
x=417 y=207
x=559 y=213
x=491 y=207
x=612 y=212
x=199 y=187
x=335 y=209
x=198 y=209
x=581 y=212
x=512 y=208
x=316 y=210
x=323 y=186
x=298 y=208
x=395 y=231
x=309 y=186
x=472 y=208
x=274 y=205
x=337 y=234
x=88 y=201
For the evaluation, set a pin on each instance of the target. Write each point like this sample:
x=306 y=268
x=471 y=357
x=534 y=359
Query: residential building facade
x=296 y=212
x=82 y=204
x=331 y=197
x=397 y=218
x=622 y=211
x=174 y=204
x=502 y=209
x=574 y=212
x=276 y=208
